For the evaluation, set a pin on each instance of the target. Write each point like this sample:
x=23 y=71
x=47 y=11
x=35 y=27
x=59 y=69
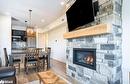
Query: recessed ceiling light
x=42 y=20
x=62 y=3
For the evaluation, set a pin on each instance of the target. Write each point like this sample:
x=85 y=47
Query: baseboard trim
x=58 y=61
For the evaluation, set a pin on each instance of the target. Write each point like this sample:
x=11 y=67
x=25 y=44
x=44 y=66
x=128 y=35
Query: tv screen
x=79 y=14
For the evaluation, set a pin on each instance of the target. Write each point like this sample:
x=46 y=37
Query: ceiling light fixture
x=42 y=20
x=62 y=3
x=30 y=29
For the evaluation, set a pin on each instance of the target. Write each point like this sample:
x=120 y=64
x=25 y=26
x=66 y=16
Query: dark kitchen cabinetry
x=19 y=35
x=22 y=40
x=19 y=39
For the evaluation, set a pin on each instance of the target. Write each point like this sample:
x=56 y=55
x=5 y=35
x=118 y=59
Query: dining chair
x=47 y=56
x=31 y=59
x=12 y=61
x=40 y=58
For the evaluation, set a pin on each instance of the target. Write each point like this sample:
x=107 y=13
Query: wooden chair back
x=32 y=53
x=48 y=50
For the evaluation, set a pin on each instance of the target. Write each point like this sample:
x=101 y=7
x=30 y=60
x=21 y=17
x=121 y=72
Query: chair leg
x=38 y=66
x=47 y=64
x=19 y=67
x=43 y=64
x=24 y=66
x=35 y=64
x=26 y=70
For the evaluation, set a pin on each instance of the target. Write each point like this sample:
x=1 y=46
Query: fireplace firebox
x=85 y=57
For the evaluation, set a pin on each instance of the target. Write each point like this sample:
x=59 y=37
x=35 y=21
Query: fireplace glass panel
x=85 y=57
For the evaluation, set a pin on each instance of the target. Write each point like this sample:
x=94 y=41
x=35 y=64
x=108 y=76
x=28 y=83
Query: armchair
x=7 y=74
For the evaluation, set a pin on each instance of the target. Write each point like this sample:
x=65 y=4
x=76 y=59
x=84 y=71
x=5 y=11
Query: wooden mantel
x=89 y=31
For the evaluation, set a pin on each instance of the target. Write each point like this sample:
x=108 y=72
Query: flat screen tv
x=79 y=14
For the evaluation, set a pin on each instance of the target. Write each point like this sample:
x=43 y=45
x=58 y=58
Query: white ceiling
x=49 y=10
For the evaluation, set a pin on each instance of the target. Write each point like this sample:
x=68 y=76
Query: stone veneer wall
x=108 y=48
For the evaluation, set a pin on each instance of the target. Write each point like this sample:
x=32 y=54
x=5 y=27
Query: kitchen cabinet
x=22 y=40
x=19 y=35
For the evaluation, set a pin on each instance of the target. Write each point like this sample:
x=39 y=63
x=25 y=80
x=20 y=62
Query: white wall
x=41 y=43
x=126 y=41
x=57 y=43
x=5 y=35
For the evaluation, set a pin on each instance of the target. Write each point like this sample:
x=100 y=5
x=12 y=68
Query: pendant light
x=30 y=29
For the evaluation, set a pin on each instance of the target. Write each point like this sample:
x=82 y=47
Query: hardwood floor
x=58 y=67
x=23 y=78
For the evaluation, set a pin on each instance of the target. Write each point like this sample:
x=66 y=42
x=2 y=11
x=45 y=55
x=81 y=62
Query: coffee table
x=49 y=77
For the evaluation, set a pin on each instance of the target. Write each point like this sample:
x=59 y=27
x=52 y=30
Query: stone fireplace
x=97 y=58
x=85 y=57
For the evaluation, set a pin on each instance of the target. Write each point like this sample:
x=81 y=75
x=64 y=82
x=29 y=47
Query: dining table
x=21 y=54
